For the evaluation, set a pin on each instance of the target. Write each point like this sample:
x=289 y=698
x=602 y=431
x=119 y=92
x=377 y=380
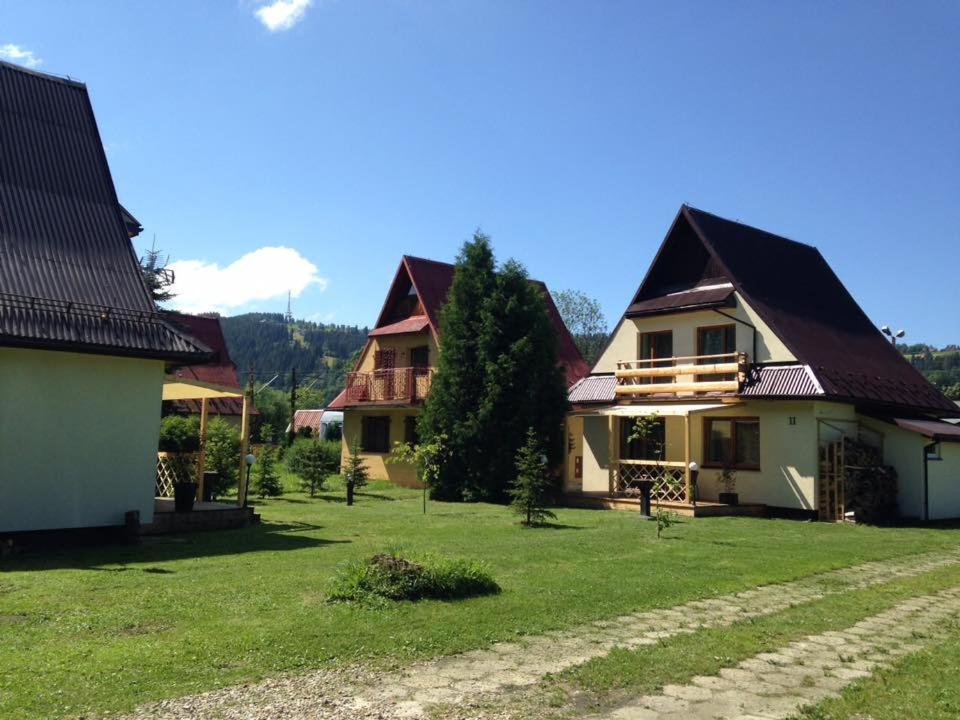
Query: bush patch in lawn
x=392 y=577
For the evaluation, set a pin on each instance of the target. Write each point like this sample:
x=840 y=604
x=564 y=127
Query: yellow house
x=385 y=392
x=753 y=363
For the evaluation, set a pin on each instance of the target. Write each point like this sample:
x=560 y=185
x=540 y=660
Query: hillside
x=939 y=366
x=321 y=354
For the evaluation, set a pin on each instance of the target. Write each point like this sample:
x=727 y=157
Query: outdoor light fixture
x=694 y=473
x=891 y=334
x=249 y=459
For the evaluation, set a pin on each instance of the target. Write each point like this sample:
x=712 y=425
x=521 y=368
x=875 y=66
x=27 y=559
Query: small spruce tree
x=157 y=276
x=355 y=472
x=266 y=479
x=530 y=491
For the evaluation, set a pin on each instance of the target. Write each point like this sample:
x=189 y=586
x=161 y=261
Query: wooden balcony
x=396 y=386
x=677 y=376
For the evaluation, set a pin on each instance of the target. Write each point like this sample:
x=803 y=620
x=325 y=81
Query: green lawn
x=108 y=628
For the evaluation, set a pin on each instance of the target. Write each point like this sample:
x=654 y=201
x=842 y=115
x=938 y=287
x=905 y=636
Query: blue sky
x=350 y=132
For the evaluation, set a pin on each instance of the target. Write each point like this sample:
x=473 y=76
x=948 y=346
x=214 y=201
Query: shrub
x=391 y=577
x=313 y=461
x=266 y=479
x=223 y=453
x=179 y=434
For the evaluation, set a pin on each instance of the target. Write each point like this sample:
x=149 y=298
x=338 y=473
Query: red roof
x=339 y=402
x=431 y=281
x=219 y=371
x=415 y=324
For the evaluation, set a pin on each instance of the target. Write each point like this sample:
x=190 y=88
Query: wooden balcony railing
x=689 y=375
x=397 y=385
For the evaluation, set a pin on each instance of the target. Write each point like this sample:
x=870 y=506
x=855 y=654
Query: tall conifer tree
x=455 y=393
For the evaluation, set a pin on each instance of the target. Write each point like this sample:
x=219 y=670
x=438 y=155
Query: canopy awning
x=178 y=388
x=663 y=410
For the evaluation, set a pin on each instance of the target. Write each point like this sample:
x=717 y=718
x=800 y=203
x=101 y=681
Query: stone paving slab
x=773 y=686
x=523 y=663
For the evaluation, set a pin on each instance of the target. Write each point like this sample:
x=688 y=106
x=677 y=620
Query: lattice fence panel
x=668 y=483
x=170 y=470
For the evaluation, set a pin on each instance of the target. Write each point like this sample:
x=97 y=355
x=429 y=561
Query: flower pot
x=729 y=498
x=183 y=496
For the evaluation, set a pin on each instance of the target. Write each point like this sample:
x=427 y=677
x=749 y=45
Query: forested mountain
x=266 y=342
x=941 y=367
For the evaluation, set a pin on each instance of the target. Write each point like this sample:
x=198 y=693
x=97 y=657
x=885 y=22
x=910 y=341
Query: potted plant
x=728 y=481
x=184 y=489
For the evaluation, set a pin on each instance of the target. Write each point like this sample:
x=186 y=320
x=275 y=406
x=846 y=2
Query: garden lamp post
x=694 y=473
x=250 y=459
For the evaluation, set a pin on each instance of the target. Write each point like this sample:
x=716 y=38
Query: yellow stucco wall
x=788 y=453
x=402 y=344
x=904 y=451
x=399 y=474
x=625 y=344
x=78 y=438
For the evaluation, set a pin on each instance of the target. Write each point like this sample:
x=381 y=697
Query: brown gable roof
x=797 y=294
x=432 y=279
x=69 y=278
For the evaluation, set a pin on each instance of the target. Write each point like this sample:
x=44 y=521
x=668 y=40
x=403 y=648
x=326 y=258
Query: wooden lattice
x=668 y=481
x=170 y=471
x=832 y=470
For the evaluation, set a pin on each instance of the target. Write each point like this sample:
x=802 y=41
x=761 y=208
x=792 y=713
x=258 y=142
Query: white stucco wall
x=943 y=483
x=78 y=438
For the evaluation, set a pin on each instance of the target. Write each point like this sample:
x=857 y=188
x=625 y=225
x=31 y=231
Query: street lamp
x=893 y=335
x=694 y=472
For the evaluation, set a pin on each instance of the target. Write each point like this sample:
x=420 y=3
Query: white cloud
x=264 y=274
x=21 y=55
x=283 y=14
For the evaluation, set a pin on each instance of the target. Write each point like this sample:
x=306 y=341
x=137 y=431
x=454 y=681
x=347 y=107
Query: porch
x=204 y=516
x=617 y=461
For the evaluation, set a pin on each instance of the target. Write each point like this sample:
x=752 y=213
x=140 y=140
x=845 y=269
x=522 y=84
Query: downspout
x=927 y=449
x=743 y=322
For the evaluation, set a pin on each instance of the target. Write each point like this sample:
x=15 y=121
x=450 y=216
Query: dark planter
x=211 y=478
x=183 y=496
x=729 y=499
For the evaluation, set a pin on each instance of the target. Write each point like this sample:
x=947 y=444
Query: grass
x=919 y=687
x=91 y=630
x=626 y=674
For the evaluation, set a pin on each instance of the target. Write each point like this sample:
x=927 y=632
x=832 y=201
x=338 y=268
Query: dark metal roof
x=68 y=275
x=684 y=300
x=797 y=294
x=933 y=429
x=781 y=381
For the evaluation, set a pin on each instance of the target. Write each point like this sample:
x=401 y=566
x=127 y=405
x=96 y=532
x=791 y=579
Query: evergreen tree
x=317 y=460
x=498 y=375
x=266 y=479
x=530 y=491
x=457 y=387
x=524 y=384
x=355 y=472
x=158 y=277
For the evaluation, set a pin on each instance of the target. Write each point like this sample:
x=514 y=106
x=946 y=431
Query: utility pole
x=293 y=404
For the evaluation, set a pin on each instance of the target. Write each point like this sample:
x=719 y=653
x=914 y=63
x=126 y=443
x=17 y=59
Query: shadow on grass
x=357 y=496
x=552 y=526
x=264 y=537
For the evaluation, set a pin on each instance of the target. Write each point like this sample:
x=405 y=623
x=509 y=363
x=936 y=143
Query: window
x=375 y=434
x=733 y=441
x=716 y=340
x=655 y=345
x=649 y=448
x=420 y=356
x=410 y=435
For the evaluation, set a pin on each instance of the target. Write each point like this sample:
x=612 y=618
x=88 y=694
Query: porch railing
x=408 y=385
x=667 y=479
x=723 y=373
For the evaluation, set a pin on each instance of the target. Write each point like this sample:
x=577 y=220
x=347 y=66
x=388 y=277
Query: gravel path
x=457 y=679
x=805 y=672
